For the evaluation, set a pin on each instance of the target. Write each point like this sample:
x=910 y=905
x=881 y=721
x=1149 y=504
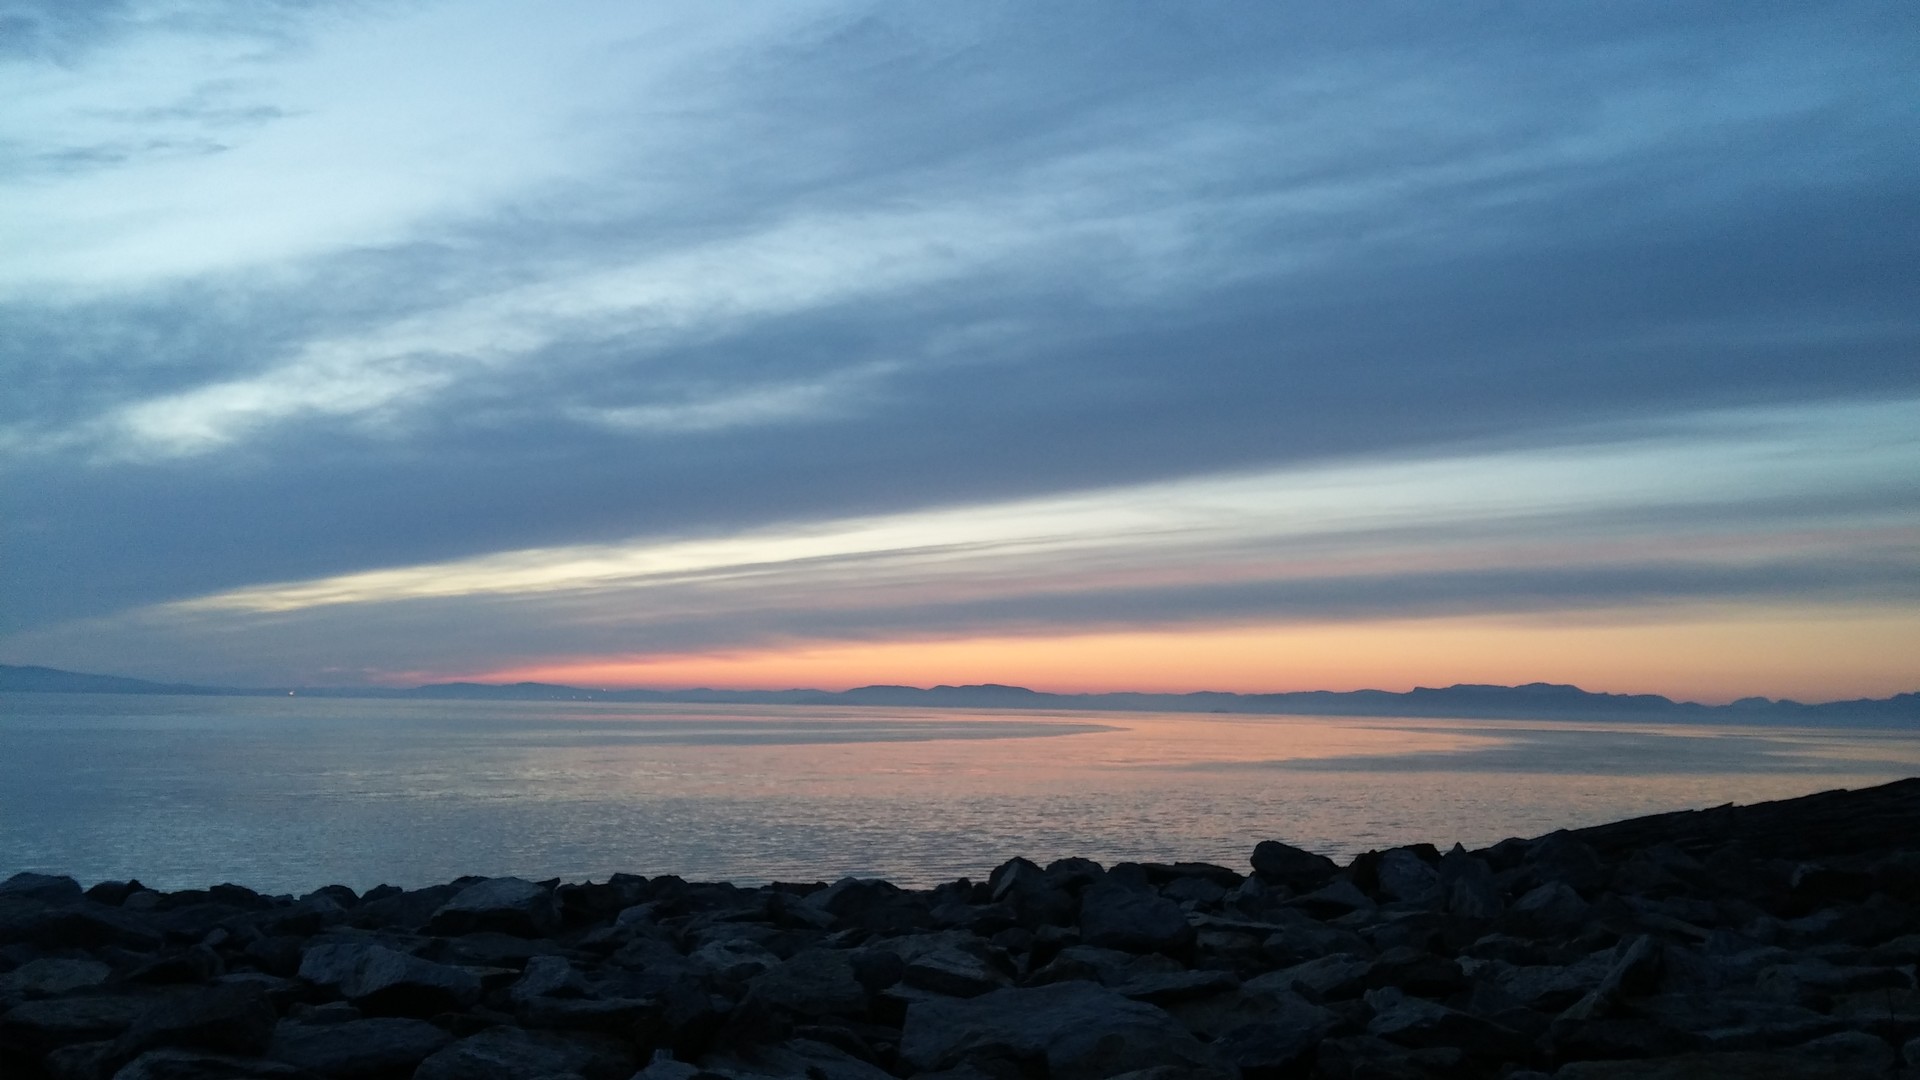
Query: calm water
x=288 y=794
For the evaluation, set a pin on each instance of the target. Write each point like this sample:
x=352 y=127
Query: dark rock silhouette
x=1775 y=940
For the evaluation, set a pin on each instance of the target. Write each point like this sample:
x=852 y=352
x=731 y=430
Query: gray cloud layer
x=874 y=260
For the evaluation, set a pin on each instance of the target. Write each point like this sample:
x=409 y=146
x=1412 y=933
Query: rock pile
x=1773 y=941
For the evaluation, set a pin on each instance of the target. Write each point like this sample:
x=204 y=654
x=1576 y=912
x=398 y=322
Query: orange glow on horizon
x=1806 y=654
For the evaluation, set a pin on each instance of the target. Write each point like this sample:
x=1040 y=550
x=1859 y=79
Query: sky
x=1086 y=346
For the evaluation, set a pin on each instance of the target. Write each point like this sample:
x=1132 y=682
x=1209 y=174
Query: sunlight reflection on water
x=291 y=794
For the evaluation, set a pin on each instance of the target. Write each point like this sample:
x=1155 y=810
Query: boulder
x=1296 y=868
x=1815 y=982
x=196 y=965
x=1415 y=971
x=1851 y=1048
x=1168 y=987
x=1467 y=886
x=547 y=976
x=44 y=888
x=1271 y=1050
x=1561 y=857
x=383 y=1046
x=813 y=983
x=1727 y=1066
x=1636 y=972
x=947 y=967
x=1078 y=1030
x=382 y=981
x=871 y=904
x=1034 y=897
x=736 y=959
x=1333 y=901
x=201 y=1065
x=1354 y=1057
x=1136 y=920
x=1330 y=978
x=49 y=976
x=49 y=927
x=797 y=1058
x=113 y=893
x=1547 y=910
x=35 y=1027
x=1405 y=876
x=234 y=1018
x=1416 y=1022
x=1219 y=1015
x=503 y=1052
x=507 y=905
x=1547 y=986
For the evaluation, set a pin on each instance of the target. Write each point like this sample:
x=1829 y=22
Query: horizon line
x=709 y=689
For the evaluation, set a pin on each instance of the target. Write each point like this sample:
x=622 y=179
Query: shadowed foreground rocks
x=1772 y=941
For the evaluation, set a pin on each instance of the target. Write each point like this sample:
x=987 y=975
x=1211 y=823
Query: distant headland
x=1529 y=701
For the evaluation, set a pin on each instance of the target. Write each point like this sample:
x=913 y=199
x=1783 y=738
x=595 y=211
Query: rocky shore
x=1770 y=941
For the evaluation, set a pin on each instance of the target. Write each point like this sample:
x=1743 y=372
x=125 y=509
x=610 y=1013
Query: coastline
x=1775 y=939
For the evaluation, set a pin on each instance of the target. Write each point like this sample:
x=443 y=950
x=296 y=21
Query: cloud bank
x=380 y=338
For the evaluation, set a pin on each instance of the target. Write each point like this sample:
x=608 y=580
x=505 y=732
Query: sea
x=288 y=794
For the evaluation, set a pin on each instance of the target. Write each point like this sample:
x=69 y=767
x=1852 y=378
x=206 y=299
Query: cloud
x=467 y=289
x=1754 y=519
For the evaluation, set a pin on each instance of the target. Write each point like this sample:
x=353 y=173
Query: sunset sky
x=1081 y=346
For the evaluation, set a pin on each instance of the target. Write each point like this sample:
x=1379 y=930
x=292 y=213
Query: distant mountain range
x=1531 y=701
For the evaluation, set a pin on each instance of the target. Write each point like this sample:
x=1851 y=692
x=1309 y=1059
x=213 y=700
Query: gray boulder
x=1416 y=1022
x=1033 y=896
x=1334 y=900
x=1080 y=1031
x=505 y=1053
x=1467 y=886
x=1549 y=909
x=946 y=965
x=36 y=1027
x=508 y=905
x=234 y=1018
x=814 y=982
x=1851 y=1048
x=382 y=981
x=1744 y=1065
x=201 y=1065
x=547 y=976
x=735 y=959
x=1329 y=978
x=798 y=1059
x=48 y=976
x=1406 y=877
x=1113 y=916
x=45 y=888
x=1168 y=987
x=1562 y=858
x=1296 y=868
x=1636 y=972
x=357 y=1048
